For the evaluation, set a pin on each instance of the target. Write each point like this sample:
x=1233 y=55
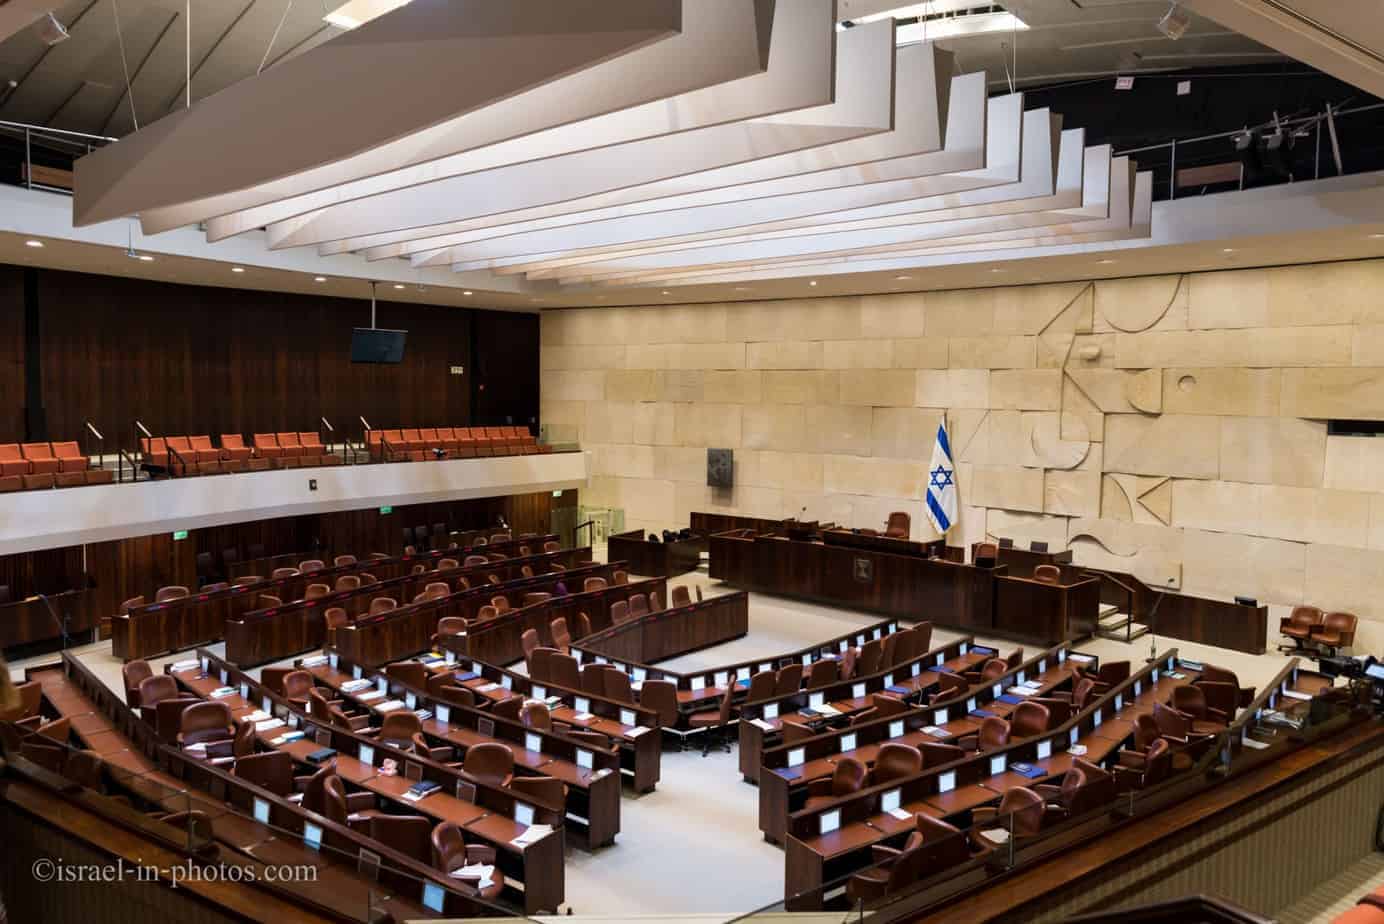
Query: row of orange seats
x=30 y=466
x=1369 y=910
x=450 y=443
x=195 y=455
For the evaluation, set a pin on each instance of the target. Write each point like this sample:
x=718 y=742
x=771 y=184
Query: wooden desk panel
x=670 y=633
x=1045 y=613
x=654 y=559
x=1021 y=562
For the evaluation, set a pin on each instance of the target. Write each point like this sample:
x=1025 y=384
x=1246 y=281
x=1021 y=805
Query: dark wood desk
x=1021 y=562
x=25 y=621
x=875 y=542
x=1222 y=623
x=908 y=586
x=669 y=633
x=652 y=559
x=1040 y=612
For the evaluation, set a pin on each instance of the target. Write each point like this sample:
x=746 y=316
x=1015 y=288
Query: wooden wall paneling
x=12 y=353
x=505 y=373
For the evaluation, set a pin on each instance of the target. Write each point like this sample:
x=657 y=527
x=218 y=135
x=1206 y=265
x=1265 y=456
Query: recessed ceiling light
x=1105 y=262
x=1227 y=250
x=812 y=282
x=467 y=292
x=742 y=288
x=398 y=285
x=146 y=258
x=33 y=243
x=665 y=292
x=1375 y=236
x=237 y=269
x=319 y=278
x=996 y=269
x=902 y=278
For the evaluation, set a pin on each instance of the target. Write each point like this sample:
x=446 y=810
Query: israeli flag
x=941 y=484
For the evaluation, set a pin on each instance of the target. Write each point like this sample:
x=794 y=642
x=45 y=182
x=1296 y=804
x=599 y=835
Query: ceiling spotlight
x=902 y=278
x=1372 y=236
x=319 y=278
x=812 y=282
x=1227 y=250
x=997 y=270
x=146 y=258
x=1175 y=22
x=51 y=31
x=1105 y=262
x=742 y=288
x=237 y=269
x=398 y=285
x=33 y=243
x=356 y=13
x=665 y=291
x=467 y=292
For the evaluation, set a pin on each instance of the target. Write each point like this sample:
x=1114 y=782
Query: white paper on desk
x=827 y=710
x=996 y=835
x=315 y=661
x=1076 y=750
x=285 y=739
x=583 y=717
x=637 y=685
x=222 y=692
x=371 y=696
x=901 y=814
x=1255 y=743
x=259 y=715
x=352 y=686
x=179 y=666
x=1296 y=695
x=935 y=731
x=1080 y=658
x=196 y=750
x=269 y=725
x=761 y=725
x=636 y=731
x=1032 y=684
x=531 y=834
x=390 y=706
x=483 y=872
x=1020 y=691
x=487 y=687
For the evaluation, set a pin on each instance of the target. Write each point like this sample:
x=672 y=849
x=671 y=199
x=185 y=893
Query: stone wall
x=1170 y=426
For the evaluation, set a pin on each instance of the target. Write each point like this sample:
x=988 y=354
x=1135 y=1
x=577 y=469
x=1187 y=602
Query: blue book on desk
x=789 y=773
x=980 y=713
x=464 y=676
x=895 y=688
x=1028 y=770
x=1010 y=698
x=742 y=683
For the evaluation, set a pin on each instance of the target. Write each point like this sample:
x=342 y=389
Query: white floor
x=694 y=845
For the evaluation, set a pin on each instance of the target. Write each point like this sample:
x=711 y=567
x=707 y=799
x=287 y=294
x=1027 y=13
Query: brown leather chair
x=681 y=596
x=1084 y=788
x=408 y=834
x=899 y=525
x=1020 y=811
x=639 y=605
x=453 y=694
x=337 y=807
x=617 y=685
x=272 y=770
x=762 y=686
x=472 y=561
x=619 y=612
x=449 y=625
x=451 y=852
x=891 y=871
x=85 y=769
x=383 y=605
x=536 y=597
x=204 y=723
x=993 y=734
x=398 y=728
x=1221 y=698
x=1299 y=625
x=334 y=618
x=793 y=732
x=620 y=578
x=490 y=763
x=986 y=553
x=1110 y=674
x=1029 y=719
x=871 y=656
x=849 y=658
x=538 y=663
x=848 y=776
x=543 y=789
x=950 y=685
x=296 y=685
x=562 y=638
x=564 y=671
x=895 y=761
x=1190 y=700
x=992 y=670
x=508 y=708
x=710 y=720
x=593 y=583
x=536 y=716
x=423 y=748
x=152 y=691
x=170 y=593
x=528 y=640
x=581 y=625
x=409 y=673
x=935 y=753
x=133 y=674
x=886 y=705
x=1047 y=574
x=788 y=680
x=1139 y=770
x=821 y=673
x=1210 y=673
x=1337 y=631
x=662 y=697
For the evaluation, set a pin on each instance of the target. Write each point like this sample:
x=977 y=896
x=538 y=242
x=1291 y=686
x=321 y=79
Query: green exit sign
x=386 y=510
x=179 y=535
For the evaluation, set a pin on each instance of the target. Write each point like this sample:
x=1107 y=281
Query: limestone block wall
x=1170 y=426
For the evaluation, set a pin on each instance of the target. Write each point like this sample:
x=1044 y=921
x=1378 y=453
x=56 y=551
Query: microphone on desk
x=60 y=623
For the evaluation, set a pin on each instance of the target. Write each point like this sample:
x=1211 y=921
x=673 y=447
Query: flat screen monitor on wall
x=373 y=345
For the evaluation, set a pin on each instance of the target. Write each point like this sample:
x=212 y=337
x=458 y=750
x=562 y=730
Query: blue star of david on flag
x=941 y=487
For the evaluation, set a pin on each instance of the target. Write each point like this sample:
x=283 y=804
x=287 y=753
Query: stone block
x=1030 y=309
x=1008 y=487
x=625 y=461
x=784 y=354
x=1273 y=450
x=1325 y=293
x=1351 y=394
x=1367 y=346
x=961 y=313
x=1284 y=346
x=608 y=422
x=715 y=426
x=780 y=427
x=921 y=353
x=1225 y=565
x=1273 y=511
x=630 y=385
x=684 y=324
x=953 y=388
x=888 y=317
x=801 y=387
x=1151 y=553
x=1025 y=528
x=679 y=385
x=994 y=352
x=654 y=423
x=799 y=472
x=732 y=387
x=684 y=463
x=796 y=319
x=1141 y=303
x=1355 y=463
x=608 y=356
x=1179 y=445
x=1341 y=578
x=904 y=432
x=838 y=428
x=1026 y=389
x=1071 y=493
x=1229 y=299
x=1043 y=446
x=878 y=387
x=858 y=354
x=844 y=474
x=1231 y=391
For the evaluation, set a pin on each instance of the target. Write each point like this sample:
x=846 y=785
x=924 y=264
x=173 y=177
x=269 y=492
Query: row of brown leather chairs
x=1309 y=628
